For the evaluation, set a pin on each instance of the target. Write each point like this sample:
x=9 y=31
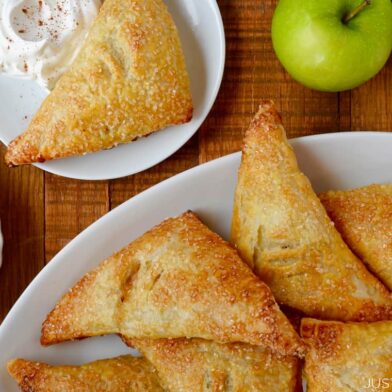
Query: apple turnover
x=128 y=81
x=126 y=373
x=348 y=357
x=282 y=230
x=177 y=280
x=187 y=365
x=363 y=217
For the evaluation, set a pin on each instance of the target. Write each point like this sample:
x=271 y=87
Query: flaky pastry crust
x=348 y=357
x=282 y=230
x=128 y=81
x=177 y=280
x=121 y=374
x=363 y=217
x=198 y=365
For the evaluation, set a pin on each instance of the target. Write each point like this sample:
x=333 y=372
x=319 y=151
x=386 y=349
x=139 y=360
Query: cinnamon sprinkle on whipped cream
x=39 y=39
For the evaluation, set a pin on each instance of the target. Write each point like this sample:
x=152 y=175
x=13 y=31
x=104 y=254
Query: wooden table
x=40 y=212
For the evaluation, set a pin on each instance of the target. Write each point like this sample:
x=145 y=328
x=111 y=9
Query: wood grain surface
x=40 y=212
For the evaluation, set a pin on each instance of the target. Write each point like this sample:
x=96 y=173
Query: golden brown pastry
x=348 y=357
x=363 y=217
x=196 y=365
x=282 y=230
x=128 y=81
x=177 y=280
x=121 y=374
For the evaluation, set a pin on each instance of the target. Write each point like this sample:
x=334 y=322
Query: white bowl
x=201 y=31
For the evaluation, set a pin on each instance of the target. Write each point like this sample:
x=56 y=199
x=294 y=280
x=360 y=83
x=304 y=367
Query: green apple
x=332 y=45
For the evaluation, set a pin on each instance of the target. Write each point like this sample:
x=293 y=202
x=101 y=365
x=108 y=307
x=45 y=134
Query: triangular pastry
x=128 y=81
x=126 y=374
x=177 y=280
x=282 y=230
x=363 y=217
x=348 y=357
x=186 y=365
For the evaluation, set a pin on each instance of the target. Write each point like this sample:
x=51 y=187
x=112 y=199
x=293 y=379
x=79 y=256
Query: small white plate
x=201 y=31
x=332 y=161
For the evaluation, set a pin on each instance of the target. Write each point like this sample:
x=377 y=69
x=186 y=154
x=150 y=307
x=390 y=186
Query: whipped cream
x=39 y=39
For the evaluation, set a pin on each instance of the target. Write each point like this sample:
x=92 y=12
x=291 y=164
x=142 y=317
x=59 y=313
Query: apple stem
x=353 y=13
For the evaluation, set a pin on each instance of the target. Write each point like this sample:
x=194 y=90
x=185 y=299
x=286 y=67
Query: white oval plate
x=201 y=31
x=332 y=161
